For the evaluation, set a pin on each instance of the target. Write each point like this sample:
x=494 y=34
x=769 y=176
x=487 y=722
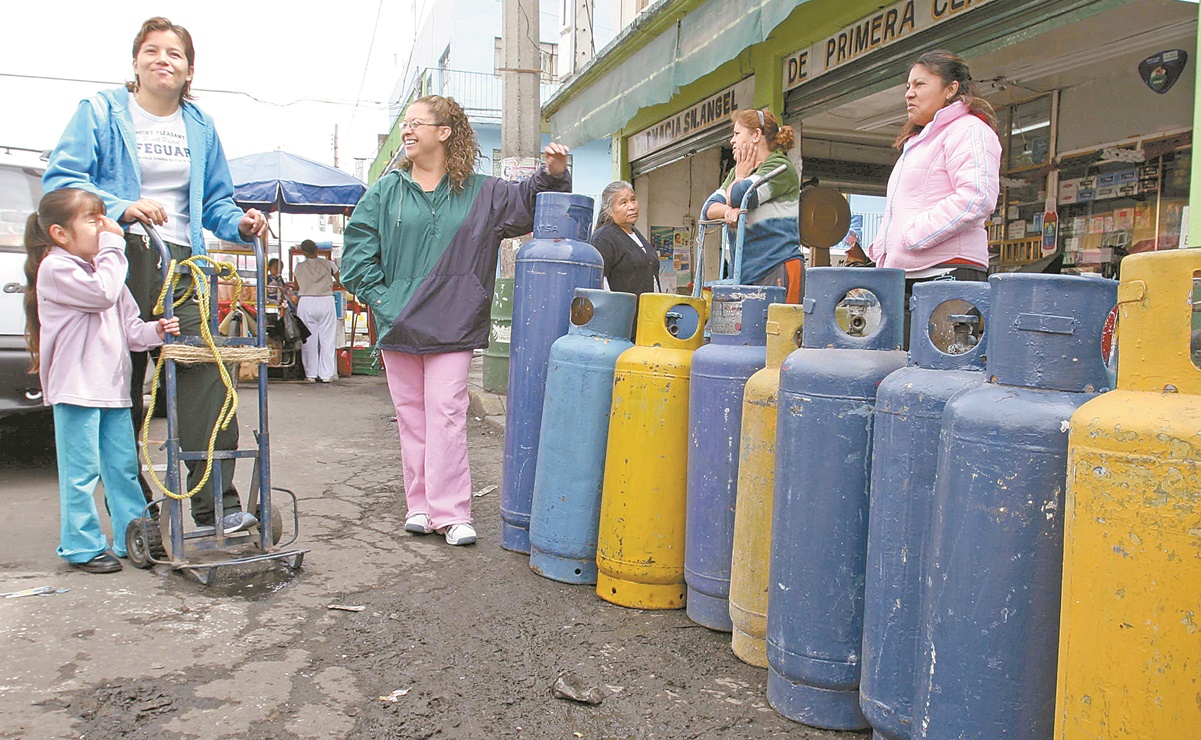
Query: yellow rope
x=188 y=355
x=229 y=408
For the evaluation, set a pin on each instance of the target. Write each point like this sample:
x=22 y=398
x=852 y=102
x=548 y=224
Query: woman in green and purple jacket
x=421 y=251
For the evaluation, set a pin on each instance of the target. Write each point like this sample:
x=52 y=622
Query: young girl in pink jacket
x=81 y=324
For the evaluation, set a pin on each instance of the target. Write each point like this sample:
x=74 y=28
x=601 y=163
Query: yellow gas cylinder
x=640 y=543
x=756 y=478
x=1130 y=627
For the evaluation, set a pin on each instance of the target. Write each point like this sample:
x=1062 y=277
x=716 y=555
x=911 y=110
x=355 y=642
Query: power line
x=243 y=93
x=366 y=63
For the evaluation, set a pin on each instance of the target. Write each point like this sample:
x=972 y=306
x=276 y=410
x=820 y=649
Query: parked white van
x=20 y=190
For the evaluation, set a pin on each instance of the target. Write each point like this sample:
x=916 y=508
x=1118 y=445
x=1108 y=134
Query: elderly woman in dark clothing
x=631 y=262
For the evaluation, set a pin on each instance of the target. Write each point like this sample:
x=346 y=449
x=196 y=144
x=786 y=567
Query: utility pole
x=582 y=43
x=521 y=106
x=520 y=137
x=335 y=145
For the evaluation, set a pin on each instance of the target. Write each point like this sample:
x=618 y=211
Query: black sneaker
x=104 y=563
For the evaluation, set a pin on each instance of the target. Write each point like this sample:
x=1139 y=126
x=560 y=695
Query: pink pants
x=430 y=395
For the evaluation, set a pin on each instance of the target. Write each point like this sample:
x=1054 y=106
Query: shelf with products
x=1027 y=149
x=1122 y=200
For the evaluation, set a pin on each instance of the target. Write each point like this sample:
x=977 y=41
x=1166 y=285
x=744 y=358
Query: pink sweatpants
x=430 y=395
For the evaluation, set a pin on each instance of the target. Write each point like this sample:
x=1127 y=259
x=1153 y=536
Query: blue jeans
x=95 y=445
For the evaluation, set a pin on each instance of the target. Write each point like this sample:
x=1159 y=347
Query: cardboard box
x=1127 y=176
x=1108 y=178
x=1108 y=191
x=1084 y=195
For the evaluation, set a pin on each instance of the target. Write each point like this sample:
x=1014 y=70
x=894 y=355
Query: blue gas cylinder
x=550 y=267
x=575 y=431
x=990 y=607
x=738 y=348
x=852 y=340
x=946 y=355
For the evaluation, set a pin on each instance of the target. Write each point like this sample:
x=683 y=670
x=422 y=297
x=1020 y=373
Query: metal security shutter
x=972 y=34
x=718 y=136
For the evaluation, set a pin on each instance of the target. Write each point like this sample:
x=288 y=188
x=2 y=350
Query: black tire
x=277 y=526
x=140 y=546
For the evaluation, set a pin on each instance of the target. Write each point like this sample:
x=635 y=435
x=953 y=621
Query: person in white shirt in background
x=315 y=280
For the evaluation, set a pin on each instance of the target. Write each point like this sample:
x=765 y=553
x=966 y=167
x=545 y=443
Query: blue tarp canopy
x=278 y=181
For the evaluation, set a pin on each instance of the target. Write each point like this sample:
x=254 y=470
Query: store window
x=1123 y=200
x=1110 y=202
x=1027 y=136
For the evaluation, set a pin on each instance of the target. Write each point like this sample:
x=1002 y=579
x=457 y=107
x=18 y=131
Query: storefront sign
x=884 y=27
x=712 y=111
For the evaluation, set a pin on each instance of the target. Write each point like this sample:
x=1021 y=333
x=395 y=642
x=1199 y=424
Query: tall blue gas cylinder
x=946 y=355
x=575 y=430
x=852 y=340
x=990 y=607
x=738 y=348
x=550 y=267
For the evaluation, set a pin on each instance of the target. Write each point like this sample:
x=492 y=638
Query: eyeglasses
x=410 y=125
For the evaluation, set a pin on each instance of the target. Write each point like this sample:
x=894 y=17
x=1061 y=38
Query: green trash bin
x=496 y=356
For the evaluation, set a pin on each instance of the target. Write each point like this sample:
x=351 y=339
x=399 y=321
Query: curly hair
x=462 y=148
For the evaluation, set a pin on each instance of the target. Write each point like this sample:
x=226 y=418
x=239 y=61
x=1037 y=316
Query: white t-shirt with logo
x=166 y=169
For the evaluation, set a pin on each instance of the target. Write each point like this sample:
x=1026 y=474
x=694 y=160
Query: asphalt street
x=466 y=642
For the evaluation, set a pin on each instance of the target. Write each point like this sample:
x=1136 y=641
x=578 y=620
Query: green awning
x=700 y=42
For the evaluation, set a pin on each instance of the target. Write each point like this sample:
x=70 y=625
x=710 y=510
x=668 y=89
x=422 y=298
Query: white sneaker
x=460 y=534
x=238 y=521
x=418 y=524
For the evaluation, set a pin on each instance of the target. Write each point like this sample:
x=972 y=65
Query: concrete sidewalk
x=490 y=407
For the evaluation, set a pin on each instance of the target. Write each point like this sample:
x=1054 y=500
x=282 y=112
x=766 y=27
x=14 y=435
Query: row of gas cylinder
x=971 y=540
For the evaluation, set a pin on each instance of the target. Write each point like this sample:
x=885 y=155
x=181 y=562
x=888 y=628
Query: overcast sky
x=288 y=54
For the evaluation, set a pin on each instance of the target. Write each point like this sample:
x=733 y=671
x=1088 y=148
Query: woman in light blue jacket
x=153 y=157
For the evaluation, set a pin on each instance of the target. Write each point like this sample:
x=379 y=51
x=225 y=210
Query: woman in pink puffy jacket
x=944 y=186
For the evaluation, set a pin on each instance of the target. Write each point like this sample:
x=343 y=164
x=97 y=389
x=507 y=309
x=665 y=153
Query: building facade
x=1079 y=124
x=456 y=53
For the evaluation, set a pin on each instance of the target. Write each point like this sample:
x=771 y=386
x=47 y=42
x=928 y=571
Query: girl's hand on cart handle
x=168 y=326
x=147 y=211
x=253 y=224
x=556 y=159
